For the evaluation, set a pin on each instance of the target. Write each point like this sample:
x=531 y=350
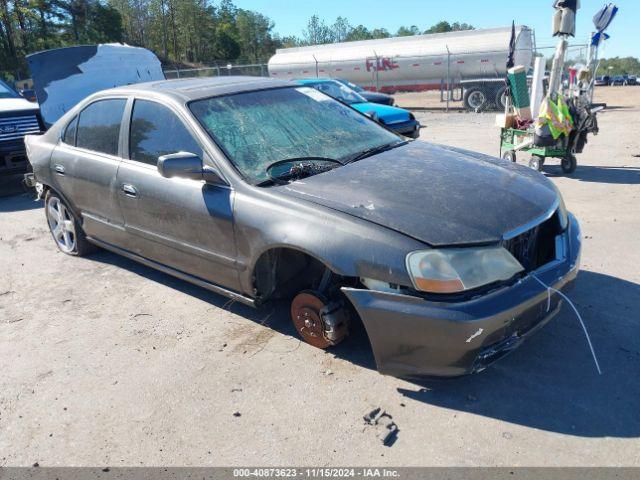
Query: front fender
x=349 y=246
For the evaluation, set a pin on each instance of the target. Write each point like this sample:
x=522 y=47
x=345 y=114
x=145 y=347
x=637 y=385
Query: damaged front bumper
x=414 y=337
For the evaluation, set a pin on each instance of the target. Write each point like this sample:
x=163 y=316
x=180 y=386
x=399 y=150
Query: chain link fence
x=221 y=70
x=457 y=79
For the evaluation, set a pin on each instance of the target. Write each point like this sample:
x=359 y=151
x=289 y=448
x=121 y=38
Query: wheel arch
x=280 y=264
x=48 y=188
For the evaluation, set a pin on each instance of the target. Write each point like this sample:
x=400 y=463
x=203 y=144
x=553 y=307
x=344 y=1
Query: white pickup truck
x=18 y=117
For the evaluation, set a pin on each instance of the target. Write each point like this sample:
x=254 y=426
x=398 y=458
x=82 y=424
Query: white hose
x=584 y=328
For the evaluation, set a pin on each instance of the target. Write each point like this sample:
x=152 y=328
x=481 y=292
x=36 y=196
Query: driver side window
x=156 y=131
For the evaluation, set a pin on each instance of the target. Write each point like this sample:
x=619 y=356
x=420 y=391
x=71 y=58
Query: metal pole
x=448 y=76
x=555 y=80
x=377 y=75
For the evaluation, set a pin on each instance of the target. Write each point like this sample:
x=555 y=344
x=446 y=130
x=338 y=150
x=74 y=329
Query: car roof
x=187 y=89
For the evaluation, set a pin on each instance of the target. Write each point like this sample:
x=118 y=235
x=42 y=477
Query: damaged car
x=260 y=189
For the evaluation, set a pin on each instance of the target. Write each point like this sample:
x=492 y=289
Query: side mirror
x=188 y=165
x=372 y=115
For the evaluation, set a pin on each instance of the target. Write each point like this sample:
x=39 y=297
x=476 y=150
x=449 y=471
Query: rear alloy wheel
x=569 y=163
x=319 y=322
x=64 y=227
x=509 y=155
x=536 y=162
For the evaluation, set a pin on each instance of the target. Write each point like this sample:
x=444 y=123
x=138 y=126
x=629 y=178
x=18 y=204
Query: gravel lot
x=106 y=362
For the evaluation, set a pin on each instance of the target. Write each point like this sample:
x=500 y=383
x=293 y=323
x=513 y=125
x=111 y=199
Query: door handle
x=59 y=169
x=129 y=190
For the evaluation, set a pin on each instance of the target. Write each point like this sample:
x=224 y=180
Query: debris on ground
x=386 y=428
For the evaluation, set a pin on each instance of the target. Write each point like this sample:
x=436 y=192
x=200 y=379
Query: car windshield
x=352 y=86
x=338 y=91
x=6 y=91
x=256 y=129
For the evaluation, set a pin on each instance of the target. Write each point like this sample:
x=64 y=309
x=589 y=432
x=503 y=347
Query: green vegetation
x=188 y=32
x=619 y=66
x=318 y=31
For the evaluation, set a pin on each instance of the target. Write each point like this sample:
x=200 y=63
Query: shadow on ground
x=550 y=383
x=14 y=196
x=597 y=174
x=274 y=315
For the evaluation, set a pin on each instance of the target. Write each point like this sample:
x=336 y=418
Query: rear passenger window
x=70 y=133
x=99 y=126
x=157 y=131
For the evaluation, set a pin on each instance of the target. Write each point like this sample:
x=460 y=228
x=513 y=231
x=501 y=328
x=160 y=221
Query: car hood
x=389 y=114
x=435 y=194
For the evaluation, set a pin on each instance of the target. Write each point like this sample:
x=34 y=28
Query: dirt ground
x=106 y=362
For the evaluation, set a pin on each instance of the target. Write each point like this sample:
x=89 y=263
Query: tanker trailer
x=474 y=60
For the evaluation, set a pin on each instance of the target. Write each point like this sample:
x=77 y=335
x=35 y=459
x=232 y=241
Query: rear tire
x=501 y=98
x=476 y=99
x=65 y=228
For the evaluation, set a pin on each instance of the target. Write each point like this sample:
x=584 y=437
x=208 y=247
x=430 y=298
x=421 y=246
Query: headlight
x=454 y=270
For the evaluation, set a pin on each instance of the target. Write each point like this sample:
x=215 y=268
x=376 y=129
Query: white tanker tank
x=474 y=60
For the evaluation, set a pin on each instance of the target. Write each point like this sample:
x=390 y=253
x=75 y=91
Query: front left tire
x=65 y=228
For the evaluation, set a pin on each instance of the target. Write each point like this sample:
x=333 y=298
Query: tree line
x=318 y=31
x=179 y=32
x=619 y=66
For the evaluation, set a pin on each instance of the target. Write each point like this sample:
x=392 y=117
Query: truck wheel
x=475 y=98
x=569 y=163
x=501 y=98
x=509 y=155
x=65 y=228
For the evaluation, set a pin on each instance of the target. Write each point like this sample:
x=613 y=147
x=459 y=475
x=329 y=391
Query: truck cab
x=18 y=117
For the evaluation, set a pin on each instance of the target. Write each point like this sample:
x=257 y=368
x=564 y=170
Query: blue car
x=395 y=119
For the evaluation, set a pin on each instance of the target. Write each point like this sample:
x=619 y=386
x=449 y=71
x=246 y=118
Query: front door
x=85 y=163
x=184 y=224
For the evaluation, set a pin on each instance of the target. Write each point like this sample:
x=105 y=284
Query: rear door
x=184 y=224
x=85 y=164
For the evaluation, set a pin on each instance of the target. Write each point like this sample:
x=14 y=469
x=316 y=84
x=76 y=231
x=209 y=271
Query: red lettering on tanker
x=380 y=64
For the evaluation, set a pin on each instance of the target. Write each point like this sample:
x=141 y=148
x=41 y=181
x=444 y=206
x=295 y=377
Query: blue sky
x=291 y=17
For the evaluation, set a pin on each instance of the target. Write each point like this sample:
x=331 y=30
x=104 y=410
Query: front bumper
x=410 y=128
x=413 y=337
x=13 y=158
